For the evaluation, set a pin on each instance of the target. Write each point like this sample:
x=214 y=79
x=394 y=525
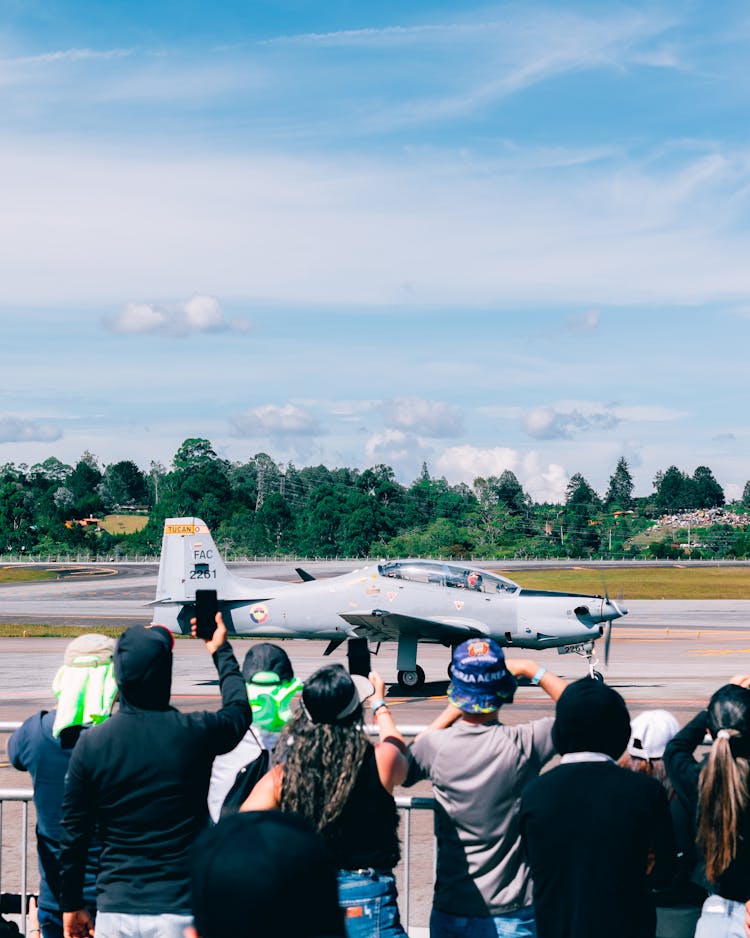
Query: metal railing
x=24 y=795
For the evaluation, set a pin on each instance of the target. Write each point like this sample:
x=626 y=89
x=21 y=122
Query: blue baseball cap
x=480 y=682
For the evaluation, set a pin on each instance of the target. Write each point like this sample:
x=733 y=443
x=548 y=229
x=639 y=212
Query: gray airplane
x=406 y=601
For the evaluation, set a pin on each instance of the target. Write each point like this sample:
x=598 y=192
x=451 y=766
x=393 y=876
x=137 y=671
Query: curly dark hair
x=321 y=760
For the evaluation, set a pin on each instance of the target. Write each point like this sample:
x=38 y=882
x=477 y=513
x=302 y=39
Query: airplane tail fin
x=189 y=561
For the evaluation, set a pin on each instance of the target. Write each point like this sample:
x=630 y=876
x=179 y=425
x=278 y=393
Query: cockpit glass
x=456 y=576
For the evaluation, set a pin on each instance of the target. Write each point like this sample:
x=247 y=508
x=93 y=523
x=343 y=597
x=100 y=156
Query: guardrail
x=24 y=795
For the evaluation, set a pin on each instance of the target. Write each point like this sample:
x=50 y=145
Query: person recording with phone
x=143 y=777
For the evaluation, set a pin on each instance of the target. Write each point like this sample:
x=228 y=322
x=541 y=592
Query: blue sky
x=485 y=236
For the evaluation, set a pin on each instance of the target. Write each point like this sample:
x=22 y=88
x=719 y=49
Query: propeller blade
x=607 y=640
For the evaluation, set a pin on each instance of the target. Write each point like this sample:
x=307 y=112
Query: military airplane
x=406 y=601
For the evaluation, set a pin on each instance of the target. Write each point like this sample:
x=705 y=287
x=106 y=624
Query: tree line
x=261 y=507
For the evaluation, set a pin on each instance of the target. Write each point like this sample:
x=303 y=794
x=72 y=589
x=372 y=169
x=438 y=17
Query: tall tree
x=707 y=493
x=620 y=490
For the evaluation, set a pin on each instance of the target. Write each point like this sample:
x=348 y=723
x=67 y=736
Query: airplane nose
x=613 y=610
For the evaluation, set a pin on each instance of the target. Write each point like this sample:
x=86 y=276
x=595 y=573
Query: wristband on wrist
x=377 y=704
x=539 y=675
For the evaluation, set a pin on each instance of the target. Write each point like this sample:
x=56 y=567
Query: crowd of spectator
x=138 y=832
x=703 y=518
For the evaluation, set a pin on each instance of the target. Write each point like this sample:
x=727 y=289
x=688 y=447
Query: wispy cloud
x=272 y=420
x=196 y=315
x=568 y=419
x=23 y=430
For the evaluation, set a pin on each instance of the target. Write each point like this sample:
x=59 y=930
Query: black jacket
x=588 y=829
x=143 y=775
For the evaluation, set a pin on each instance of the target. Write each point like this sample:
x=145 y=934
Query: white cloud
x=198 y=314
x=22 y=430
x=466 y=463
x=427 y=418
x=274 y=421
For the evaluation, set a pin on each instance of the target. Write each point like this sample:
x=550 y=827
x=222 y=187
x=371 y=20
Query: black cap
x=591 y=717
x=264 y=656
x=264 y=873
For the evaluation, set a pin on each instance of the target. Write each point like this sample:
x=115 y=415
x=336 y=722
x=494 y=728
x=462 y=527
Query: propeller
x=615 y=604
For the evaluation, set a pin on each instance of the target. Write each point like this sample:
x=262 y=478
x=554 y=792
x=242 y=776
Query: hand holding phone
x=206 y=607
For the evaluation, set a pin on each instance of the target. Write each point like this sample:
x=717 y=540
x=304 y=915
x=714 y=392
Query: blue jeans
x=124 y=925
x=518 y=924
x=370 y=904
x=721 y=918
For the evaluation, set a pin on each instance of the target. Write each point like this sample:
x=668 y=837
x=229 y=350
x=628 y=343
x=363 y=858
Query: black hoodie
x=143 y=775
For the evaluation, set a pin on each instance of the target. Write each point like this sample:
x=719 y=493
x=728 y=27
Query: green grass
x=642 y=582
x=25 y=574
x=36 y=630
x=123 y=524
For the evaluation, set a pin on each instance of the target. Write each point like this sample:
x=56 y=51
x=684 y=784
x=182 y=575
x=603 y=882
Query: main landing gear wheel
x=597 y=676
x=411 y=679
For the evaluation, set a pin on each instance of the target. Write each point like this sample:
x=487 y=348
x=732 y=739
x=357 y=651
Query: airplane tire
x=598 y=676
x=450 y=670
x=411 y=679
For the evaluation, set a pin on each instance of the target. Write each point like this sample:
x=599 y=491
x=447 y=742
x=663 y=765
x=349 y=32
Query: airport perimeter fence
x=18 y=844
x=127 y=559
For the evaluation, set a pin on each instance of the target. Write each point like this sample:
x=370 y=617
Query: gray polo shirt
x=478 y=772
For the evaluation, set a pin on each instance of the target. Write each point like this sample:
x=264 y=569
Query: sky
x=480 y=236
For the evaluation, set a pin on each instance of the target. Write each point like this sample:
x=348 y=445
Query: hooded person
x=598 y=837
x=478 y=767
x=85 y=689
x=241 y=875
x=143 y=777
x=271 y=688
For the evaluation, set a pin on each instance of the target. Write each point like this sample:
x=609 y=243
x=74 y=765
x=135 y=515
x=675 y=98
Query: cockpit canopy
x=447 y=574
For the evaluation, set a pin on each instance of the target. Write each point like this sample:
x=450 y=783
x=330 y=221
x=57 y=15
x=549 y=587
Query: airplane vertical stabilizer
x=190 y=561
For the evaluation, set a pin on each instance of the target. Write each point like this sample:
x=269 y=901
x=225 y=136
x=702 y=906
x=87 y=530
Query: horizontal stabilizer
x=304 y=575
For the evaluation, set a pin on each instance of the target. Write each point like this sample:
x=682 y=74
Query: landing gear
x=586 y=650
x=411 y=679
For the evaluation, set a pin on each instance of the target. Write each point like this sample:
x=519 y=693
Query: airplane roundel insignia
x=258 y=614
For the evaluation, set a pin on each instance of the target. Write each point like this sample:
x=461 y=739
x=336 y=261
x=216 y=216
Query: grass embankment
x=642 y=582
x=36 y=630
x=123 y=524
x=25 y=574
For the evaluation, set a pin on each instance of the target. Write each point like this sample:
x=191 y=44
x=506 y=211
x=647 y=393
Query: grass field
x=25 y=574
x=642 y=582
x=123 y=524
x=36 y=630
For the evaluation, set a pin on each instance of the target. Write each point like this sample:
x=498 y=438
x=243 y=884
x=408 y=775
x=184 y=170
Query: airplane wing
x=384 y=626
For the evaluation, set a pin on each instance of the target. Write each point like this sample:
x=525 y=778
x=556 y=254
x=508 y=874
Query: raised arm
x=550 y=683
x=390 y=752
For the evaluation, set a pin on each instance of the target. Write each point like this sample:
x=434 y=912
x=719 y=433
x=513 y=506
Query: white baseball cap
x=650 y=732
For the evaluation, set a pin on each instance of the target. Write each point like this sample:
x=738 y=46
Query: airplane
x=406 y=601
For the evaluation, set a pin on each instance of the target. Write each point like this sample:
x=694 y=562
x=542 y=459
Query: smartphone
x=358 y=653
x=206 y=607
